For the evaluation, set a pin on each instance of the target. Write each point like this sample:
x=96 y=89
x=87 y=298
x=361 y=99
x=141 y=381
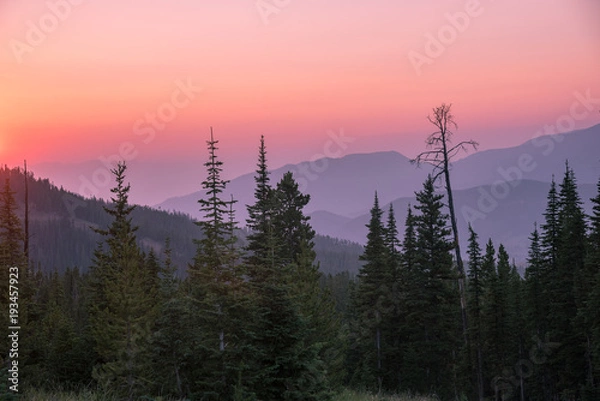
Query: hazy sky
x=83 y=79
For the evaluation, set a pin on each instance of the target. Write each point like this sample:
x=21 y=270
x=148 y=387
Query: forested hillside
x=61 y=234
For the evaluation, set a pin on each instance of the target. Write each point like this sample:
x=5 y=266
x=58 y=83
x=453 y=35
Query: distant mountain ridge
x=342 y=189
x=342 y=186
x=61 y=234
x=509 y=221
x=502 y=192
x=345 y=186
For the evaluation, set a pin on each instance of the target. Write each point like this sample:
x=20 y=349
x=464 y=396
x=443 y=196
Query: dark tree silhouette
x=439 y=155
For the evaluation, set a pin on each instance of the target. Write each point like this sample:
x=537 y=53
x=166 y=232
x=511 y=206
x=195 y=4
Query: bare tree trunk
x=439 y=156
x=459 y=262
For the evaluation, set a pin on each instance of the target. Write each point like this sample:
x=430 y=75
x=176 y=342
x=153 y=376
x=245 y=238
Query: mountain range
x=501 y=192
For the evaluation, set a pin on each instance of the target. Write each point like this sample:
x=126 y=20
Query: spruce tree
x=591 y=312
x=409 y=242
x=11 y=232
x=289 y=222
x=394 y=329
x=536 y=311
x=372 y=301
x=319 y=324
x=550 y=229
x=474 y=301
x=216 y=281
x=172 y=337
x=568 y=286
x=12 y=259
x=286 y=351
x=499 y=322
x=261 y=240
x=122 y=310
x=433 y=303
x=534 y=275
x=489 y=278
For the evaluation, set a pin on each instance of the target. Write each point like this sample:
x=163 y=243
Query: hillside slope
x=61 y=233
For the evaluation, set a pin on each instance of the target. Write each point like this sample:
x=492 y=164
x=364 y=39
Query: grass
x=349 y=395
x=89 y=395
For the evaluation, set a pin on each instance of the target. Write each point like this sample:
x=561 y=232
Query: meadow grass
x=349 y=395
x=89 y=395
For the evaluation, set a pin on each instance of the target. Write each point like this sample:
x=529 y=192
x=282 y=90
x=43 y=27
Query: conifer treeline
x=260 y=322
x=535 y=337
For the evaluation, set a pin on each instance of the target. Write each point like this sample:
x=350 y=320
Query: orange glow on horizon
x=82 y=89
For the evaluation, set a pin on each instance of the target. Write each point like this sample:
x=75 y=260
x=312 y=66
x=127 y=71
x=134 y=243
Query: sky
x=145 y=80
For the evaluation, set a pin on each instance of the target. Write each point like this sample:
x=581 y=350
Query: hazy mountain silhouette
x=342 y=189
x=509 y=221
x=345 y=186
x=342 y=186
x=542 y=156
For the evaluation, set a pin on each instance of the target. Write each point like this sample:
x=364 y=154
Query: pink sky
x=78 y=92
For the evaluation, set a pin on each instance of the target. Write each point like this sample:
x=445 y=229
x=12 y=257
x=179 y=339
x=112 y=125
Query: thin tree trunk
x=177 y=378
x=379 y=378
x=589 y=360
x=522 y=382
x=26 y=239
x=480 y=373
x=459 y=262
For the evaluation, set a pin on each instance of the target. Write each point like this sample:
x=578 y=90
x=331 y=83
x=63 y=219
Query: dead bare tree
x=439 y=154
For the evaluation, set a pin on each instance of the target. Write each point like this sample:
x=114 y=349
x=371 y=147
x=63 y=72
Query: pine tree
x=216 y=281
x=391 y=241
x=568 y=290
x=534 y=276
x=489 y=278
x=433 y=302
x=122 y=310
x=12 y=259
x=291 y=319
x=289 y=222
x=394 y=329
x=550 y=229
x=261 y=240
x=409 y=243
x=591 y=314
x=500 y=328
x=372 y=301
x=320 y=328
x=474 y=300
x=11 y=232
x=172 y=337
